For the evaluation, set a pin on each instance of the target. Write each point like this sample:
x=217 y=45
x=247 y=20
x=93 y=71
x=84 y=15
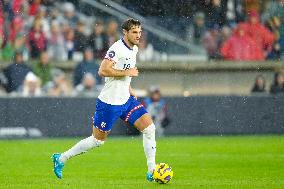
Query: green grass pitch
x=239 y=162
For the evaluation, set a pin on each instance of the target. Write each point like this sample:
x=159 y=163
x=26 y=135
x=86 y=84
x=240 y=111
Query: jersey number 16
x=126 y=66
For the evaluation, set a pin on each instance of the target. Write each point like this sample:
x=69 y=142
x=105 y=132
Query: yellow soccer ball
x=163 y=173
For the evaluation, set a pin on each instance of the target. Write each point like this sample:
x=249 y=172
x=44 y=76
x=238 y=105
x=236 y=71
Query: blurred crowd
x=249 y=30
x=34 y=33
x=35 y=26
x=40 y=78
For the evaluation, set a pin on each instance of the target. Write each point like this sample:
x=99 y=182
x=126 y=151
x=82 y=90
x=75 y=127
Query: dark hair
x=127 y=24
x=256 y=87
x=276 y=75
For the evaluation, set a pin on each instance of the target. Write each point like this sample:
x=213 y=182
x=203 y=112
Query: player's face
x=134 y=35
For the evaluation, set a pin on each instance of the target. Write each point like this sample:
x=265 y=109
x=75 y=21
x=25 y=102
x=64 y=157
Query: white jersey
x=116 y=89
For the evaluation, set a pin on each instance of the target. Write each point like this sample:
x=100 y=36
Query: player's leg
x=103 y=120
x=147 y=127
x=95 y=140
x=137 y=115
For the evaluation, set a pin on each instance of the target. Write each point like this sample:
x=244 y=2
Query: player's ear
x=125 y=31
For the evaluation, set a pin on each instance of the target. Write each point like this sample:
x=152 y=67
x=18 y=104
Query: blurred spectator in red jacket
x=34 y=7
x=2 y=21
x=258 y=32
x=37 y=40
x=16 y=27
x=240 y=46
x=19 y=6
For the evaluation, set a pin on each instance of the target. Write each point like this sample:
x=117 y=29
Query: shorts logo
x=103 y=124
x=111 y=54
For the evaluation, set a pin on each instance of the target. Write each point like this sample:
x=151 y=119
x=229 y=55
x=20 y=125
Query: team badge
x=103 y=124
x=111 y=54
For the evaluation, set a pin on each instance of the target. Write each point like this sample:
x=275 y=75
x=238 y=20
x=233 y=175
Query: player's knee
x=149 y=131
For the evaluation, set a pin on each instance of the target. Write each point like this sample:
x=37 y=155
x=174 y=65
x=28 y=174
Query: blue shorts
x=107 y=114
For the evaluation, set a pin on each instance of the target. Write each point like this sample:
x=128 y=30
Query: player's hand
x=133 y=72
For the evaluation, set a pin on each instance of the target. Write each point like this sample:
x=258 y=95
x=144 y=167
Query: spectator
x=69 y=15
x=88 y=87
x=31 y=86
x=259 y=85
x=278 y=85
x=34 y=7
x=43 y=68
x=157 y=108
x=259 y=33
x=55 y=16
x=281 y=39
x=42 y=18
x=241 y=47
x=59 y=86
x=17 y=35
x=211 y=41
x=6 y=7
x=146 y=50
x=16 y=38
x=69 y=43
x=226 y=33
x=112 y=32
x=19 y=7
x=3 y=84
x=47 y=3
x=275 y=9
x=37 y=40
x=56 y=43
x=198 y=28
x=235 y=12
x=253 y=5
x=88 y=65
x=275 y=53
x=2 y=23
x=80 y=39
x=16 y=73
x=274 y=24
x=98 y=40
x=216 y=13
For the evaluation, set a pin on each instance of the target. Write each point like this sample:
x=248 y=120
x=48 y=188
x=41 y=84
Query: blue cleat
x=57 y=165
x=149 y=176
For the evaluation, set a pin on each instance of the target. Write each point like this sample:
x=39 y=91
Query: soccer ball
x=163 y=173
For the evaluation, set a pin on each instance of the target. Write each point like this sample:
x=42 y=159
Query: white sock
x=81 y=147
x=149 y=144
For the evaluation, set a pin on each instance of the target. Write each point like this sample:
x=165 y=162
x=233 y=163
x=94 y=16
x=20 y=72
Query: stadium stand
x=194 y=32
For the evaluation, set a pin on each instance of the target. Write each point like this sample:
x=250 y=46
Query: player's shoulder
x=116 y=45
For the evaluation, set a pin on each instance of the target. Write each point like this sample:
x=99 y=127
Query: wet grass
x=198 y=162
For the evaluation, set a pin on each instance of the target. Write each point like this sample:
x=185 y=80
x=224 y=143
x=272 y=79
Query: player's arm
x=107 y=70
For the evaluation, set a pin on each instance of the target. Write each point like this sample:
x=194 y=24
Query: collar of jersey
x=126 y=44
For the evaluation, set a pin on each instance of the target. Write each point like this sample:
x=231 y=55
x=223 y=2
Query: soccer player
x=117 y=100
